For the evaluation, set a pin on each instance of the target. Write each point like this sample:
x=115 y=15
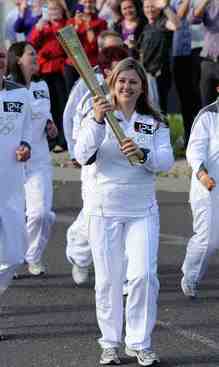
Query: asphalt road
x=50 y=322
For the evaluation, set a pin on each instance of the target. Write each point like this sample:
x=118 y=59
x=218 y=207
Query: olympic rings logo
x=6 y=128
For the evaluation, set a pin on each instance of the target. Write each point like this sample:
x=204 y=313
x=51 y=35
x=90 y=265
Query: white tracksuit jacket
x=124 y=223
x=77 y=93
x=203 y=148
x=78 y=106
x=79 y=103
x=38 y=172
x=15 y=126
x=76 y=96
x=121 y=189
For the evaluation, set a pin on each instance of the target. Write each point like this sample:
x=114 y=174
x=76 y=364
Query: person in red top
x=88 y=26
x=51 y=58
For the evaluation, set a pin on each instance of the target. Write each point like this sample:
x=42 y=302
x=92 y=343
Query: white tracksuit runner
x=203 y=148
x=78 y=249
x=79 y=103
x=124 y=221
x=38 y=172
x=15 y=126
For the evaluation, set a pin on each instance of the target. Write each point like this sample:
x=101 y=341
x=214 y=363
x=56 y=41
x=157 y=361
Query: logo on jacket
x=141 y=127
x=39 y=94
x=13 y=107
x=6 y=127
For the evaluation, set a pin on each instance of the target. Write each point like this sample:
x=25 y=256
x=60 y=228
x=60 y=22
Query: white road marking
x=190 y=335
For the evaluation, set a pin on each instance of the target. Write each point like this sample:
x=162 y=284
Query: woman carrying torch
x=123 y=212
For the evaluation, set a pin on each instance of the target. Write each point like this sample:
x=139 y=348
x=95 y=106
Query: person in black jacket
x=156 y=45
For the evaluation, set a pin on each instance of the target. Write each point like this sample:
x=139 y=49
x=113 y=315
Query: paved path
x=51 y=323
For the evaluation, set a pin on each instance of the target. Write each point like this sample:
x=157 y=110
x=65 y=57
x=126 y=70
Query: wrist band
x=202 y=171
x=26 y=144
x=200 y=174
x=99 y=122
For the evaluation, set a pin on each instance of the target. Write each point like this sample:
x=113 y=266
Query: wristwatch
x=202 y=171
x=145 y=156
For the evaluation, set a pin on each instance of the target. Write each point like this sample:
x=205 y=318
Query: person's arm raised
x=200 y=8
x=173 y=21
x=183 y=8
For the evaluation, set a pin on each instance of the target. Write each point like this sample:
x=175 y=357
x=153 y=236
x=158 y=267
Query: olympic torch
x=72 y=46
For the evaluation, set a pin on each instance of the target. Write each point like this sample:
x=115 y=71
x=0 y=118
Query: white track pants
x=205 y=240
x=40 y=218
x=78 y=248
x=112 y=238
x=6 y=276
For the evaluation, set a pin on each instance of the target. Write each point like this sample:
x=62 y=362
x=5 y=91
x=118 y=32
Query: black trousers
x=209 y=81
x=71 y=76
x=58 y=98
x=182 y=72
x=196 y=77
x=164 y=81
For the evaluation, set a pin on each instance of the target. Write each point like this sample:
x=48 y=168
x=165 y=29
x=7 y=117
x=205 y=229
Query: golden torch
x=72 y=46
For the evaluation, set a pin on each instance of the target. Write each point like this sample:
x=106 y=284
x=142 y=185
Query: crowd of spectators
x=176 y=40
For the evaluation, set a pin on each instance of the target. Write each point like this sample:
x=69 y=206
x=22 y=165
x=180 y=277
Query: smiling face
x=128 y=10
x=55 y=11
x=28 y=62
x=150 y=11
x=89 y=6
x=127 y=88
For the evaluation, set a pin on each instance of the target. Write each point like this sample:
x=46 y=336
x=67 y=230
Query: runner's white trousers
x=111 y=239
x=205 y=240
x=78 y=248
x=6 y=276
x=40 y=218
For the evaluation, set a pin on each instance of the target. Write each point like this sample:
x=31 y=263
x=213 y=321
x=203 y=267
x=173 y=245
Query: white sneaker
x=189 y=289
x=145 y=357
x=109 y=356
x=36 y=268
x=80 y=274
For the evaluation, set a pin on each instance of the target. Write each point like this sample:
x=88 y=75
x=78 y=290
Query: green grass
x=176 y=132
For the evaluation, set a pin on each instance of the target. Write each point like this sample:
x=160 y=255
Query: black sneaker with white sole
x=109 y=356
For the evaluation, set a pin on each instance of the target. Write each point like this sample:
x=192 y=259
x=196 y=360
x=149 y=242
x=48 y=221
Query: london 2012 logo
x=6 y=127
x=13 y=106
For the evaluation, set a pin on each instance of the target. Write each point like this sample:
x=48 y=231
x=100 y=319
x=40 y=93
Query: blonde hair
x=63 y=5
x=143 y=105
